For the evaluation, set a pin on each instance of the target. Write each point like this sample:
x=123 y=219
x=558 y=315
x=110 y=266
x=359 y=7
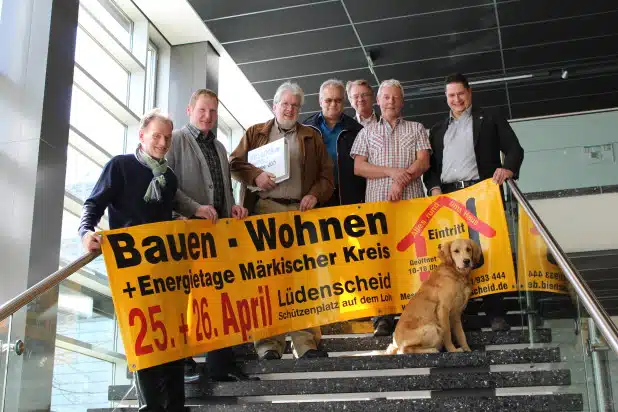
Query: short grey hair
x=291 y=87
x=391 y=83
x=153 y=114
x=360 y=82
x=332 y=83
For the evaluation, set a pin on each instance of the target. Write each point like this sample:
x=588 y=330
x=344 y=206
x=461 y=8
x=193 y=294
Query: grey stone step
x=474 y=321
x=512 y=303
x=442 y=381
x=428 y=360
x=475 y=339
x=539 y=403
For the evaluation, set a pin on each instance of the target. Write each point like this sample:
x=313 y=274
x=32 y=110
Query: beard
x=286 y=124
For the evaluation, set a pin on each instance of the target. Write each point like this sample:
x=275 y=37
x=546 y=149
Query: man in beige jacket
x=204 y=191
x=310 y=184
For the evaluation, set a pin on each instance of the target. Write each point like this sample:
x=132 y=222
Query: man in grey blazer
x=200 y=163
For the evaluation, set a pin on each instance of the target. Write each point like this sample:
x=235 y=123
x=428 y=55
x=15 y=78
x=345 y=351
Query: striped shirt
x=391 y=147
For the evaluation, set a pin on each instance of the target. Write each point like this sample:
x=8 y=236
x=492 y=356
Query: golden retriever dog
x=435 y=310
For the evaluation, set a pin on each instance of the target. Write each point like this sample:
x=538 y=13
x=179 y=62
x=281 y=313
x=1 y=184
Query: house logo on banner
x=415 y=237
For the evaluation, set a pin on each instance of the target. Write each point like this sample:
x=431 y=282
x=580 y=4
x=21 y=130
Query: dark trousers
x=389 y=319
x=161 y=388
x=218 y=362
x=492 y=305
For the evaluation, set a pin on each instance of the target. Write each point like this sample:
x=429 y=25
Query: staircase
x=504 y=372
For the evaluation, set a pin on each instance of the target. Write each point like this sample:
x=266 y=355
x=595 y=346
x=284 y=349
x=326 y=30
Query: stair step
x=428 y=360
x=509 y=304
x=369 y=343
x=442 y=381
x=539 y=403
x=474 y=322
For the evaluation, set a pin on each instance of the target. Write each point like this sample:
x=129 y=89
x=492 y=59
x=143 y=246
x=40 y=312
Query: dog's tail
x=391 y=350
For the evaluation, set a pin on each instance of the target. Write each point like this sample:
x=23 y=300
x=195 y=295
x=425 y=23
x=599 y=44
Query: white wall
x=555 y=151
x=581 y=223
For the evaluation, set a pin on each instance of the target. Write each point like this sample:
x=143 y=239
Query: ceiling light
x=503 y=79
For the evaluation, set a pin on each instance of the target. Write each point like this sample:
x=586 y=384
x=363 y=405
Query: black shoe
x=270 y=355
x=192 y=373
x=383 y=328
x=498 y=324
x=233 y=375
x=314 y=353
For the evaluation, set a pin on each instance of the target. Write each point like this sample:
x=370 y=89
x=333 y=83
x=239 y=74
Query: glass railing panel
x=4 y=353
x=30 y=364
x=80 y=382
x=70 y=359
x=89 y=355
x=518 y=310
x=569 y=178
x=549 y=303
x=602 y=361
x=552 y=302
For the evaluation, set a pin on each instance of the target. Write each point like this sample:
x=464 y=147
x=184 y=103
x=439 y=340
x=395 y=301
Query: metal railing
x=603 y=321
x=46 y=284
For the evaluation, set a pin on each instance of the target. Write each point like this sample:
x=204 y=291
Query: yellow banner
x=537 y=270
x=186 y=287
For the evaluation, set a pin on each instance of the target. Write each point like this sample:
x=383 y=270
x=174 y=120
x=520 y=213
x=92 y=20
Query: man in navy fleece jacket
x=139 y=188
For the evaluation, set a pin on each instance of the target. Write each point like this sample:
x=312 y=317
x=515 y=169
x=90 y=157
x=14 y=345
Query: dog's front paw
x=466 y=348
x=456 y=350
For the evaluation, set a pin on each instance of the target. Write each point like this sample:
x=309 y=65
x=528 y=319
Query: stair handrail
x=604 y=323
x=33 y=292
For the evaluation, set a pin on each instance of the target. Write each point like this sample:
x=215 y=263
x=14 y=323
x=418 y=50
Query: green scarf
x=158 y=167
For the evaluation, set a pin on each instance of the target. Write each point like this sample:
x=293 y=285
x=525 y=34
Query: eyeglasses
x=361 y=96
x=331 y=101
x=289 y=106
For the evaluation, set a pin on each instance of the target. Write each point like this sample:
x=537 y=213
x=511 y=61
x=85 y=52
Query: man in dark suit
x=466 y=149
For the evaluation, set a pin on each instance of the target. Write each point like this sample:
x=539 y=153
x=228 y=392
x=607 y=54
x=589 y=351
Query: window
x=96 y=61
x=82 y=174
x=151 y=77
x=224 y=137
x=89 y=353
x=112 y=18
x=97 y=123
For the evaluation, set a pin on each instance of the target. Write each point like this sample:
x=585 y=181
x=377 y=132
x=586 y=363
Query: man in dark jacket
x=139 y=188
x=466 y=149
x=339 y=132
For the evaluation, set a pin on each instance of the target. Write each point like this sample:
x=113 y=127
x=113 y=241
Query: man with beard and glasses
x=310 y=184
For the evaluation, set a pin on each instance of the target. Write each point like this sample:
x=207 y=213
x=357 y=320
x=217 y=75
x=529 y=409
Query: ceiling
x=419 y=42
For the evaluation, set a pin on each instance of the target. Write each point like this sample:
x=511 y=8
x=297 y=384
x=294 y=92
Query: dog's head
x=462 y=254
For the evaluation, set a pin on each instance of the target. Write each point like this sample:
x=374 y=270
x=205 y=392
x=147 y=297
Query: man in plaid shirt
x=392 y=154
